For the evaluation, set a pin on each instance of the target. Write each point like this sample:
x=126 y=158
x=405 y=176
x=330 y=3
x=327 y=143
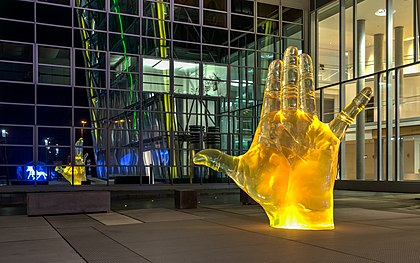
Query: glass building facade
x=145 y=83
x=371 y=43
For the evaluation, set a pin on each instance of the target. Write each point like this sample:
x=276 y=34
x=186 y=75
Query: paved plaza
x=370 y=227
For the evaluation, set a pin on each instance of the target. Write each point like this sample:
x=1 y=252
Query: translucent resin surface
x=291 y=165
x=78 y=171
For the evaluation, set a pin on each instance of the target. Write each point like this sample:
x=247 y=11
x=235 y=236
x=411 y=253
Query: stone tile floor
x=370 y=227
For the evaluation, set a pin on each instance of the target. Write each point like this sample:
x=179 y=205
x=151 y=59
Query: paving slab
x=112 y=218
x=369 y=228
x=159 y=215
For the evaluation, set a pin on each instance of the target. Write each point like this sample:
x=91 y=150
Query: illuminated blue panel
x=164 y=157
x=30 y=172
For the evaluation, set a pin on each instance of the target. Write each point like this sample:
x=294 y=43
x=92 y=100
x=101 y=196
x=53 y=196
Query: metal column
x=360 y=121
x=399 y=82
x=379 y=66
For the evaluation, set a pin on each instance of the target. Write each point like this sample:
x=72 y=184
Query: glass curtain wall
x=144 y=83
x=372 y=43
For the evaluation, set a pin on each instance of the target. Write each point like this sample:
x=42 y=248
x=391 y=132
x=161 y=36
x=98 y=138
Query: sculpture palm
x=291 y=165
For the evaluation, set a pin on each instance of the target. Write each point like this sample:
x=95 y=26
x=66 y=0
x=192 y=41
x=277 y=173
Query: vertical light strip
x=170 y=121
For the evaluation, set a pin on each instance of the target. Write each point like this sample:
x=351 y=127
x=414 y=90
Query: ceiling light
x=382 y=12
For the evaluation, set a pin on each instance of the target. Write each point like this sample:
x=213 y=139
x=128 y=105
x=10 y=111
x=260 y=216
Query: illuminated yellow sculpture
x=79 y=171
x=291 y=165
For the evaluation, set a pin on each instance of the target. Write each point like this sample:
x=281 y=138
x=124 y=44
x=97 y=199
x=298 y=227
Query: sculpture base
x=293 y=217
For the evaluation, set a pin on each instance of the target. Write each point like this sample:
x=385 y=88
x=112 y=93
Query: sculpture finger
x=271 y=102
x=289 y=92
x=346 y=117
x=307 y=87
x=217 y=160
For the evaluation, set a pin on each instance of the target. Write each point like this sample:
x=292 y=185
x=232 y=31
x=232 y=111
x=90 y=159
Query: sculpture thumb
x=217 y=161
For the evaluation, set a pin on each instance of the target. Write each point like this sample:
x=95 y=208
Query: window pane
x=185 y=14
x=54 y=75
x=15 y=52
x=268 y=27
x=10 y=30
x=215 y=36
x=16 y=72
x=156 y=10
x=268 y=11
x=215 y=72
x=215 y=4
x=18 y=10
x=186 y=32
x=128 y=7
x=155 y=83
x=53 y=56
x=245 y=7
x=244 y=23
x=292 y=15
x=292 y=30
x=183 y=50
x=186 y=69
x=186 y=86
x=187 y=2
x=214 y=19
x=55 y=15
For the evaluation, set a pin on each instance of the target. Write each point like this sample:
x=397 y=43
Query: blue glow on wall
x=129 y=159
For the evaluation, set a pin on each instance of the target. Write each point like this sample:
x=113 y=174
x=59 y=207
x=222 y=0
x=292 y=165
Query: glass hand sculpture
x=79 y=171
x=291 y=165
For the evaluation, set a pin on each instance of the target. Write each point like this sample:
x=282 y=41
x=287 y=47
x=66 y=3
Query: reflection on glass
x=328 y=42
x=186 y=69
x=244 y=23
x=267 y=11
x=242 y=40
x=268 y=27
x=6 y=53
x=215 y=4
x=403 y=32
x=374 y=25
x=155 y=83
x=292 y=15
x=186 y=86
x=187 y=2
x=215 y=54
x=185 y=14
x=157 y=9
x=241 y=57
x=214 y=72
x=156 y=66
x=268 y=43
x=183 y=50
x=215 y=36
x=244 y=7
x=214 y=18
x=54 y=75
x=292 y=30
x=214 y=88
x=185 y=32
